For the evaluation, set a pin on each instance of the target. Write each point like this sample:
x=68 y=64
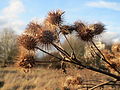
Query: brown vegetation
x=48 y=34
x=113 y=57
x=49 y=79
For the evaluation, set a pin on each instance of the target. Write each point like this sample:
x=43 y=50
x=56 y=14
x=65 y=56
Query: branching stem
x=77 y=62
x=104 y=59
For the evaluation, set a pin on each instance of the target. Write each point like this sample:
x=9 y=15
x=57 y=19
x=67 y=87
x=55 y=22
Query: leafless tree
x=8 y=46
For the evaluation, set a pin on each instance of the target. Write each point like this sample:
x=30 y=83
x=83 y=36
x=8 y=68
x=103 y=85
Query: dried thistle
x=27 y=42
x=80 y=26
x=87 y=32
x=97 y=28
x=66 y=29
x=55 y=17
x=33 y=29
x=84 y=32
x=23 y=51
x=46 y=37
x=26 y=61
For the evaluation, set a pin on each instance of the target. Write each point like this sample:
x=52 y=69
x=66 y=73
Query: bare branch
x=101 y=84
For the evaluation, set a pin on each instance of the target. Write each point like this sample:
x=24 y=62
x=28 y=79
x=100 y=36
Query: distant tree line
x=8 y=46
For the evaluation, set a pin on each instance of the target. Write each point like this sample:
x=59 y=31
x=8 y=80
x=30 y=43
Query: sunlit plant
x=47 y=34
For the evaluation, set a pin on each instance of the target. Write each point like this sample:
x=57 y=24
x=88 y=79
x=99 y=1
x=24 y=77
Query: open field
x=48 y=79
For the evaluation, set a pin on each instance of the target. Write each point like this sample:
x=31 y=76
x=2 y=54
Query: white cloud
x=14 y=8
x=110 y=37
x=9 y=17
x=104 y=4
x=116 y=40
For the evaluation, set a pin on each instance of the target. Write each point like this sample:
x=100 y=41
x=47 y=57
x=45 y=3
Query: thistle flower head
x=55 y=17
x=97 y=28
x=27 y=42
x=80 y=26
x=84 y=32
x=66 y=29
x=33 y=29
x=87 y=32
x=26 y=61
x=46 y=37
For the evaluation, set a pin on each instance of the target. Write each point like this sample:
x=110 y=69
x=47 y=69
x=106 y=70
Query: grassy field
x=48 y=79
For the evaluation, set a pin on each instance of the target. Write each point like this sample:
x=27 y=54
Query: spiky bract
x=83 y=31
x=46 y=37
x=97 y=28
x=33 y=29
x=55 y=17
x=27 y=42
x=87 y=32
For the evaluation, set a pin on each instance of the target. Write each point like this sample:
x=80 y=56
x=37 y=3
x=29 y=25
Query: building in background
x=90 y=52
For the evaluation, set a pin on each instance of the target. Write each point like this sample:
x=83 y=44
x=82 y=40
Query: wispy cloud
x=10 y=15
x=105 y=4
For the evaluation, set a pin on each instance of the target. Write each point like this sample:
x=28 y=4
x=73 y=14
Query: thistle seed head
x=87 y=32
x=26 y=61
x=55 y=17
x=33 y=29
x=27 y=42
x=97 y=28
x=47 y=37
x=80 y=26
x=84 y=32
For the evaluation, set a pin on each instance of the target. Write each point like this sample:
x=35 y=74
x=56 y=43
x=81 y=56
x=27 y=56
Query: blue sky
x=17 y=13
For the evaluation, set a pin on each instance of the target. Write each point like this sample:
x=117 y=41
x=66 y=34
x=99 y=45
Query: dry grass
x=38 y=79
x=48 y=79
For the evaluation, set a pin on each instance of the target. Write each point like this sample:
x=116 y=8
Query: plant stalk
x=104 y=59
